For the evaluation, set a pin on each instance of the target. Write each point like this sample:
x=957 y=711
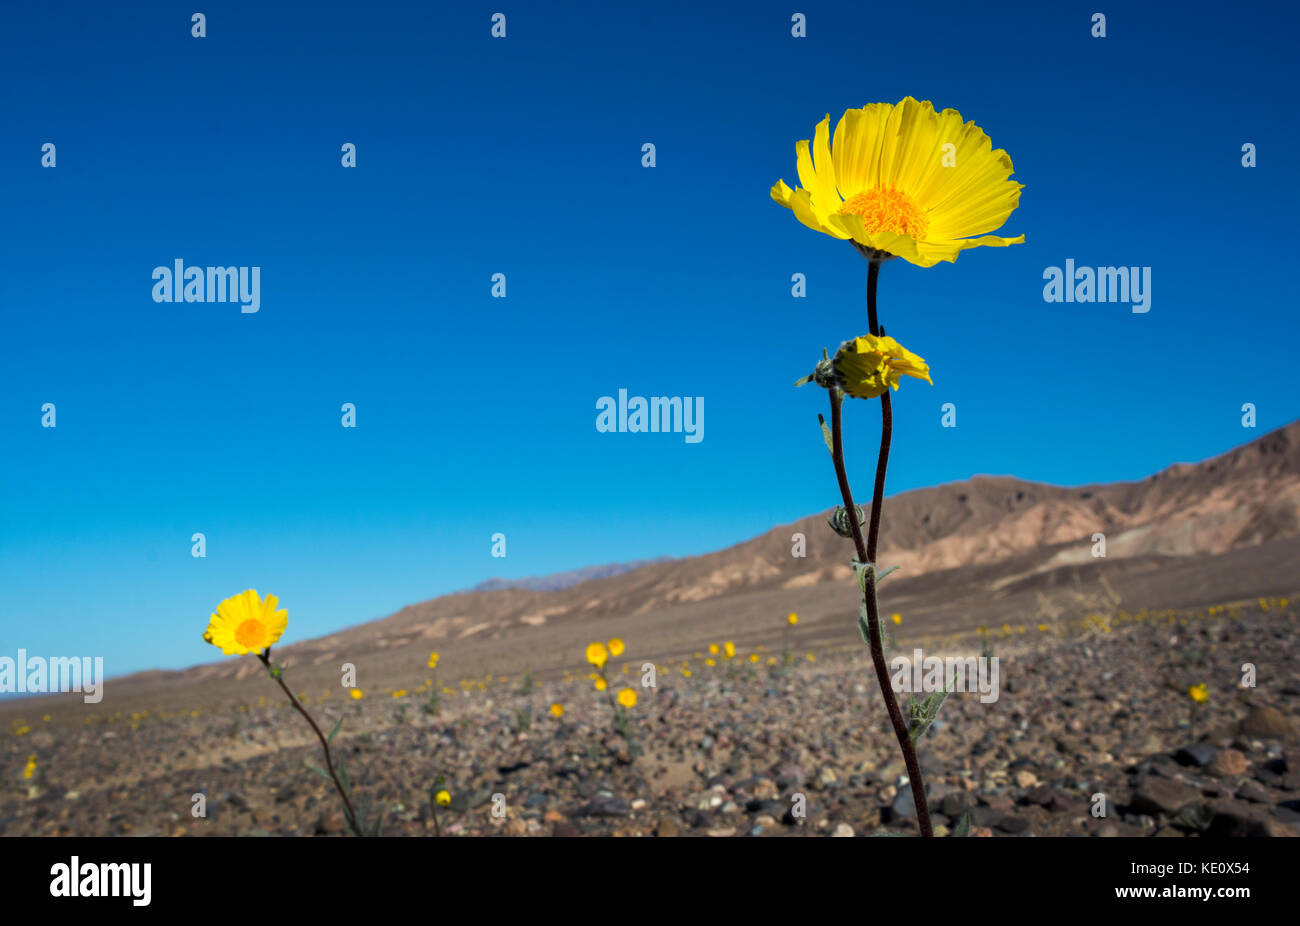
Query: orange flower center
x=250 y=633
x=885 y=210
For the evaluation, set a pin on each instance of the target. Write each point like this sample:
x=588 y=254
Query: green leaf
x=962 y=829
x=803 y=382
x=320 y=771
x=330 y=738
x=826 y=435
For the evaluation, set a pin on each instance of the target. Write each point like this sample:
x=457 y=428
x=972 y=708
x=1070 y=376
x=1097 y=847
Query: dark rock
x=604 y=805
x=1198 y=754
x=956 y=803
x=1162 y=795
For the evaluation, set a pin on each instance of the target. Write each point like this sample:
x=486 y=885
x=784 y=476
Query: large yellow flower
x=244 y=623
x=904 y=181
x=597 y=655
x=866 y=366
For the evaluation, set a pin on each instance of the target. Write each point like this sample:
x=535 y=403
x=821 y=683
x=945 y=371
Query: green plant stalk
x=329 y=762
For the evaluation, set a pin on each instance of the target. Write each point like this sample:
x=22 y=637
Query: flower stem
x=867 y=554
x=329 y=762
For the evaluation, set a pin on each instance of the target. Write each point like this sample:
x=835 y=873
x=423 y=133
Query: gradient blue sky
x=522 y=156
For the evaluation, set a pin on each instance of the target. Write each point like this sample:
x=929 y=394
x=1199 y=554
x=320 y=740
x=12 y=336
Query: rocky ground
x=1092 y=707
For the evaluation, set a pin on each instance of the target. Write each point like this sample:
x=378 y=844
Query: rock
x=604 y=806
x=1227 y=763
x=985 y=816
x=1025 y=779
x=957 y=803
x=1237 y=818
x=1266 y=723
x=667 y=827
x=566 y=829
x=843 y=829
x=1198 y=754
x=1162 y=795
x=723 y=831
x=1013 y=825
x=901 y=807
x=826 y=777
x=999 y=802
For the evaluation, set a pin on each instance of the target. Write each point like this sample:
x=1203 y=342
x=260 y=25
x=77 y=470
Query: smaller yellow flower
x=30 y=769
x=686 y=672
x=812 y=657
x=1042 y=628
x=24 y=729
x=433 y=660
x=399 y=693
x=627 y=697
x=792 y=619
x=709 y=662
x=771 y=660
x=442 y=798
x=713 y=649
x=897 y=619
x=616 y=647
x=557 y=709
x=729 y=649
x=753 y=657
x=601 y=684
x=1199 y=693
x=597 y=655
x=867 y=366
x=356 y=694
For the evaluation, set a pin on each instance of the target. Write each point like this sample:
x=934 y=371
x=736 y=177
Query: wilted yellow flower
x=244 y=623
x=792 y=619
x=1199 y=693
x=868 y=365
x=903 y=180
x=601 y=684
x=356 y=694
x=616 y=647
x=597 y=655
x=442 y=798
x=729 y=649
x=627 y=697
x=557 y=709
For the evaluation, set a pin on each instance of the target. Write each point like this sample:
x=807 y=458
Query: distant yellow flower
x=713 y=649
x=897 y=619
x=356 y=694
x=627 y=697
x=1042 y=628
x=753 y=657
x=46 y=718
x=729 y=649
x=710 y=662
x=792 y=619
x=904 y=180
x=30 y=769
x=616 y=647
x=866 y=366
x=771 y=660
x=399 y=693
x=597 y=655
x=686 y=672
x=601 y=684
x=23 y=730
x=557 y=709
x=812 y=657
x=244 y=623
x=1199 y=693
x=433 y=660
x=442 y=798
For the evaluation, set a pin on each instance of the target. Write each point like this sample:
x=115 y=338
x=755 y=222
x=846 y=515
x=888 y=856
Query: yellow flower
x=442 y=798
x=616 y=647
x=399 y=693
x=897 y=619
x=1199 y=693
x=729 y=649
x=792 y=619
x=753 y=657
x=557 y=709
x=244 y=623
x=812 y=657
x=433 y=660
x=627 y=697
x=713 y=649
x=868 y=365
x=597 y=654
x=686 y=672
x=1042 y=628
x=903 y=180
x=709 y=662
x=21 y=731
x=601 y=684
x=30 y=769
x=356 y=694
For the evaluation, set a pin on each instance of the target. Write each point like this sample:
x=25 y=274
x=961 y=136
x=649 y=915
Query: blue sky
x=522 y=156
